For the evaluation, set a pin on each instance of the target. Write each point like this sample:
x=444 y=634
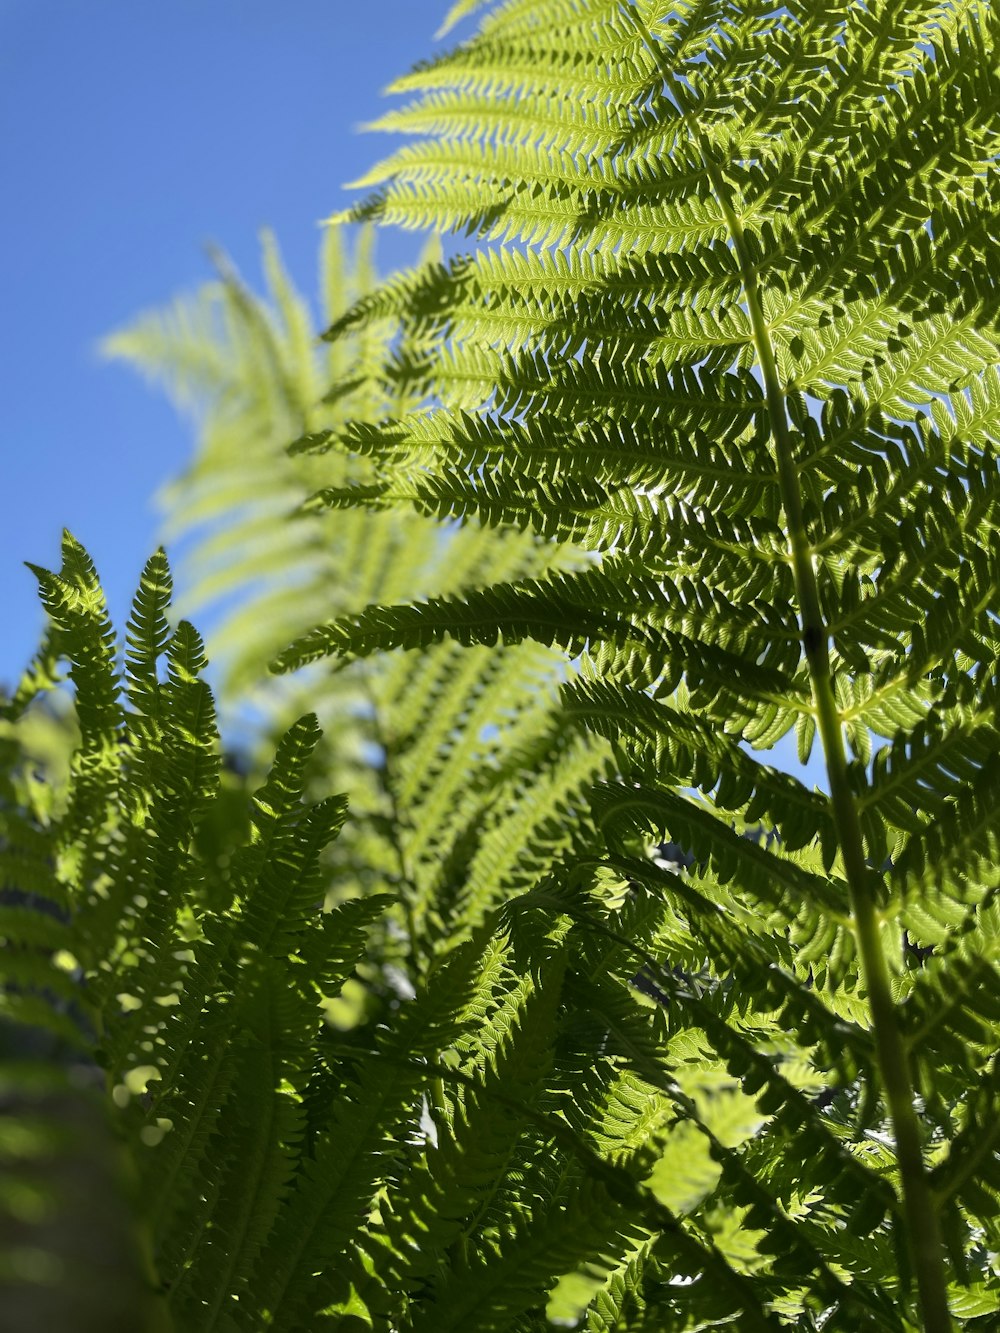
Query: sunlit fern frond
x=730 y=332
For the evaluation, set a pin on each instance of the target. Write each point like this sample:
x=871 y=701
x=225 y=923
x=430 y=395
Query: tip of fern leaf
x=378 y=175
x=380 y=125
x=298 y=654
x=366 y=210
x=157 y=568
x=307 y=725
x=312 y=647
x=49 y=585
x=460 y=9
x=316 y=442
x=113 y=347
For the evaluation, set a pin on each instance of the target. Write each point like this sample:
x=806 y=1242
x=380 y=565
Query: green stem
x=921 y=1221
x=407 y=886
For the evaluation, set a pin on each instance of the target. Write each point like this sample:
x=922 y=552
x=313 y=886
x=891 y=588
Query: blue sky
x=130 y=135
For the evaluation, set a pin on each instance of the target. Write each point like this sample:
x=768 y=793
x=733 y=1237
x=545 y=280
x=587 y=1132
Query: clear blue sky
x=131 y=133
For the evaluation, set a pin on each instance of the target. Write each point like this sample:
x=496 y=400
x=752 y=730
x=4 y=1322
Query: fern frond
x=731 y=331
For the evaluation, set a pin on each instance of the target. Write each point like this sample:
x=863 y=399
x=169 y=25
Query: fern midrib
x=468 y=116
x=250 y=1196
x=932 y=266
x=900 y=589
x=613 y=462
x=909 y=379
x=561 y=217
x=848 y=535
x=921 y=766
x=202 y=1107
x=923 y=1232
x=530 y=323
x=506 y=73
x=962 y=624
x=492 y=279
x=409 y=893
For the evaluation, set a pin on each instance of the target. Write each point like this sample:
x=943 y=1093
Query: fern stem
x=408 y=892
x=921 y=1221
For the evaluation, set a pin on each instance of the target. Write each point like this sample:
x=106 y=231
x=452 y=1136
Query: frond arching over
x=730 y=332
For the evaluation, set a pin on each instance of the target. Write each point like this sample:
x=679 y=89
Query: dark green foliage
x=198 y=994
x=282 y=1170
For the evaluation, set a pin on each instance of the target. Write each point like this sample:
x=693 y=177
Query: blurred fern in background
x=452 y=763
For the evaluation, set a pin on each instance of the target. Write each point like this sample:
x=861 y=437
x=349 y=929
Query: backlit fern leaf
x=730 y=331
